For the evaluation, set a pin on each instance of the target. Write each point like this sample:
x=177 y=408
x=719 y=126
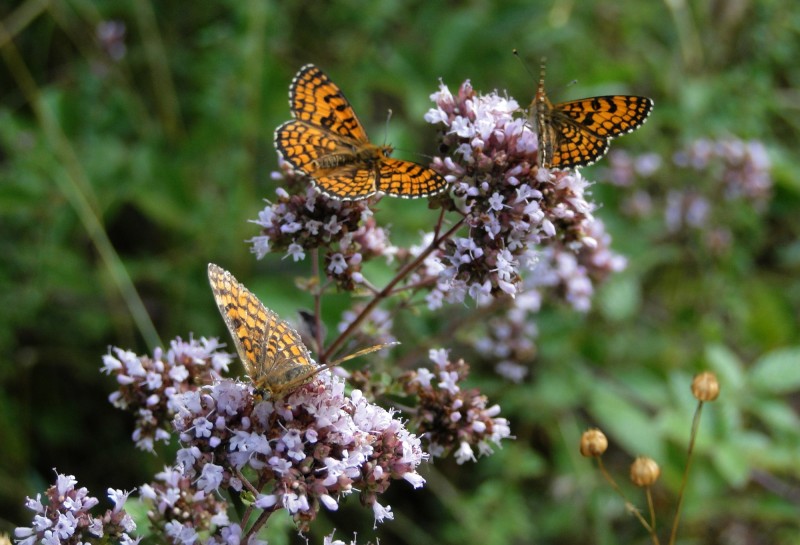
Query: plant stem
x=695 y=425
x=407 y=269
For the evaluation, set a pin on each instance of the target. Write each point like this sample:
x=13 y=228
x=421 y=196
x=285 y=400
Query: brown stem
x=257 y=525
x=317 y=299
x=632 y=508
x=387 y=290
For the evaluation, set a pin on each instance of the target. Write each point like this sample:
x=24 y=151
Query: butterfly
x=576 y=133
x=326 y=142
x=271 y=350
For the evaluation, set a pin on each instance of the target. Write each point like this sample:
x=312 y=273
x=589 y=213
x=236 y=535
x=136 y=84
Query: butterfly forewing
x=608 y=116
x=314 y=98
x=274 y=356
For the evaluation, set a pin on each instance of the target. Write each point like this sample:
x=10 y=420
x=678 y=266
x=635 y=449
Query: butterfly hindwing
x=409 y=180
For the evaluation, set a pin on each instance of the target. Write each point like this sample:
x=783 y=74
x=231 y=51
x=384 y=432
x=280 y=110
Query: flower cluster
x=719 y=173
x=66 y=518
x=148 y=386
x=450 y=417
x=181 y=512
x=301 y=452
x=573 y=272
x=509 y=338
x=302 y=219
x=512 y=207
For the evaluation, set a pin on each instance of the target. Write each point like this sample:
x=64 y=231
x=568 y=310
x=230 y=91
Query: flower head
x=302 y=219
x=148 y=385
x=308 y=449
x=66 y=518
x=450 y=417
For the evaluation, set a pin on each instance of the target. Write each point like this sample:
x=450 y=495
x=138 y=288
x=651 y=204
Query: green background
x=149 y=167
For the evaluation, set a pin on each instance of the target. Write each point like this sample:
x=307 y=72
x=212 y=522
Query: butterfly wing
x=274 y=356
x=291 y=364
x=246 y=317
x=315 y=99
x=607 y=116
x=348 y=182
x=408 y=180
x=565 y=144
x=305 y=145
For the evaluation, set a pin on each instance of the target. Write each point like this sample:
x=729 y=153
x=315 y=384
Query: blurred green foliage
x=120 y=179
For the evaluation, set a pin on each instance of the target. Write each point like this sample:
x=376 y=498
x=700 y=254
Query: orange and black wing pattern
x=326 y=142
x=273 y=355
x=577 y=133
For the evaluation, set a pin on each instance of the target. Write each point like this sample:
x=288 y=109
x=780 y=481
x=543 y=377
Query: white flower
x=464 y=453
x=381 y=513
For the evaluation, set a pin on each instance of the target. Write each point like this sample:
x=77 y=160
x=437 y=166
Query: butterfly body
x=577 y=133
x=326 y=142
x=273 y=355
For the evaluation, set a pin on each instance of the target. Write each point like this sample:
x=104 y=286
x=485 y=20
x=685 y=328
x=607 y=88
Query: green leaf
x=729 y=368
x=777 y=372
x=629 y=424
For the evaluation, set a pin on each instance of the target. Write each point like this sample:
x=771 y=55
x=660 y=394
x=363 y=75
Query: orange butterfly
x=272 y=352
x=326 y=141
x=576 y=133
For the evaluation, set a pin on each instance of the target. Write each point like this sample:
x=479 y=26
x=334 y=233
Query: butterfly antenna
x=356 y=354
x=525 y=64
x=386 y=130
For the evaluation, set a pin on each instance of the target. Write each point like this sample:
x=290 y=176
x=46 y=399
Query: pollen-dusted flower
x=705 y=386
x=451 y=418
x=644 y=471
x=66 y=518
x=148 y=385
x=593 y=443
x=304 y=451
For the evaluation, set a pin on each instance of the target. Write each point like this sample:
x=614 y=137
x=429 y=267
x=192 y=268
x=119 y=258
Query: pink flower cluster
x=718 y=174
x=521 y=218
x=302 y=219
x=148 y=385
x=182 y=512
x=450 y=418
x=66 y=519
x=299 y=453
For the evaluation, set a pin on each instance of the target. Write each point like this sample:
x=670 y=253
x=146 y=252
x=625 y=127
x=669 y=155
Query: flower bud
x=593 y=443
x=705 y=386
x=644 y=471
